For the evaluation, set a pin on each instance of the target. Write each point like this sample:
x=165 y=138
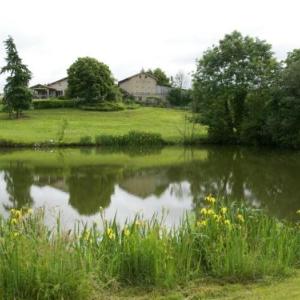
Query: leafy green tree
x=17 y=96
x=91 y=81
x=293 y=57
x=284 y=109
x=179 y=97
x=160 y=75
x=226 y=75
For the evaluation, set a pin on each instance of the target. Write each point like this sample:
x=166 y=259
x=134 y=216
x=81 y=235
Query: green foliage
x=179 y=97
x=104 y=106
x=127 y=97
x=226 y=75
x=293 y=57
x=132 y=138
x=233 y=243
x=86 y=140
x=254 y=129
x=37 y=266
x=17 y=96
x=284 y=109
x=91 y=81
x=53 y=103
x=160 y=75
x=155 y=101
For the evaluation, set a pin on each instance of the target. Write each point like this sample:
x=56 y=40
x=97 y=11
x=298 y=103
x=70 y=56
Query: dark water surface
x=77 y=182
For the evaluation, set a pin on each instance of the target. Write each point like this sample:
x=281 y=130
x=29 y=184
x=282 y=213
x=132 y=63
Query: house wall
x=60 y=86
x=140 y=86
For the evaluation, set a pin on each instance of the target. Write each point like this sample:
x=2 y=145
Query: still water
x=76 y=182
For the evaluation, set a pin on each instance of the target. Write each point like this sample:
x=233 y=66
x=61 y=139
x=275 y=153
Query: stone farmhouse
x=55 y=89
x=143 y=87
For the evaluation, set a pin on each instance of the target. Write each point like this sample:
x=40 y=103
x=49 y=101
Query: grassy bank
x=69 y=126
x=219 y=244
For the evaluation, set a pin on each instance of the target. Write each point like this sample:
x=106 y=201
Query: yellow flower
x=14 y=221
x=203 y=211
x=126 y=232
x=227 y=222
x=16 y=234
x=210 y=199
x=210 y=212
x=86 y=235
x=112 y=236
x=298 y=212
x=109 y=230
x=240 y=218
x=201 y=223
x=110 y=233
x=217 y=217
x=16 y=214
x=224 y=210
x=30 y=211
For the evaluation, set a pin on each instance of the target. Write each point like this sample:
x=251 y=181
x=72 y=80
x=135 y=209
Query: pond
x=169 y=181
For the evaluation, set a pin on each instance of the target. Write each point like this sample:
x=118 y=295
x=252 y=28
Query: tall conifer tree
x=17 y=96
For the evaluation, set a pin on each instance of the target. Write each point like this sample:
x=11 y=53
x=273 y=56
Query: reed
x=233 y=243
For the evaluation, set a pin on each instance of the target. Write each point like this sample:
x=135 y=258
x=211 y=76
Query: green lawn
x=44 y=125
x=287 y=289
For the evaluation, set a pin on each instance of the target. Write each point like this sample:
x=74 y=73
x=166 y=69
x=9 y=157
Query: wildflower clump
x=210 y=199
x=219 y=216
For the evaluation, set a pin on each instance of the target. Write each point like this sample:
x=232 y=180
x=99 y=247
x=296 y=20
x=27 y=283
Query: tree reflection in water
x=265 y=178
x=19 y=180
x=91 y=187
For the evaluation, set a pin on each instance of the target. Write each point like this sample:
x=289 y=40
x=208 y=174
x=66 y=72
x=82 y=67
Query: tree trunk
x=239 y=109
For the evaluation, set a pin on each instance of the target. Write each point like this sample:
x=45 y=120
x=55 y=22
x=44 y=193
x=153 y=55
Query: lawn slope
x=39 y=126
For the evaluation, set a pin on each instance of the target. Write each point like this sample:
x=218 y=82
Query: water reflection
x=18 y=179
x=175 y=178
x=91 y=187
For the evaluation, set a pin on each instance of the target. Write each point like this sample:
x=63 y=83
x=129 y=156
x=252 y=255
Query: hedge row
x=53 y=103
x=103 y=106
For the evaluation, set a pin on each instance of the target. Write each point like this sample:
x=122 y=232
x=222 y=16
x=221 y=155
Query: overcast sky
x=130 y=34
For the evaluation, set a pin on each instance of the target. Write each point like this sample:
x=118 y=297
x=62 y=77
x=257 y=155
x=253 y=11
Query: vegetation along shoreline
x=222 y=241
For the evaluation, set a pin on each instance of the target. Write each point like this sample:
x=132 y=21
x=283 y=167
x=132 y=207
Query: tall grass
x=132 y=138
x=233 y=243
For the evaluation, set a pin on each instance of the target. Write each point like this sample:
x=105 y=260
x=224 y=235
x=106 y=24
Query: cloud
x=134 y=34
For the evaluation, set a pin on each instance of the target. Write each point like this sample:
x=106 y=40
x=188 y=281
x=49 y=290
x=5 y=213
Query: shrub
x=53 y=103
x=86 y=140
x=132 y=138
x=179 y=97
x=103 y=106
x=155 y=101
